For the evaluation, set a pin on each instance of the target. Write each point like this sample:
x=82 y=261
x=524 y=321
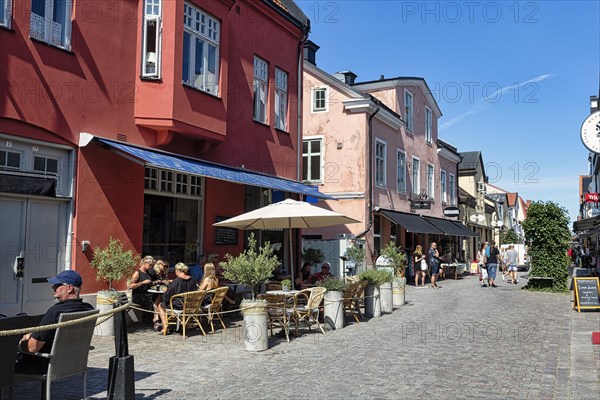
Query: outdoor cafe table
x=455 y=269
x=288 y=293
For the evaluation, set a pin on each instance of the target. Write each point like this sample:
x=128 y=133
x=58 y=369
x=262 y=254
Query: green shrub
x=396 y=257
x=511 y=237
x=312 y=256
x=113 y=262
x=332 y=284
x=286 y=283
x=376 y=277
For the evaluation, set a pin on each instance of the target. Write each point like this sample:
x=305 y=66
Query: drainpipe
x=306 y=30
x=370 y=172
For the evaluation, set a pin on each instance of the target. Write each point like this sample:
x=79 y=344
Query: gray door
x=33 y=240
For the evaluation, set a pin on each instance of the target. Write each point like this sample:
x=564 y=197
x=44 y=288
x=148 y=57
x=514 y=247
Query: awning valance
x=450 y=228
x=176 y=162
x=411 y=222
x=586 y=224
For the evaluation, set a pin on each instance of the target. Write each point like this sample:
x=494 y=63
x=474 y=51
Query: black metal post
x=121 y=372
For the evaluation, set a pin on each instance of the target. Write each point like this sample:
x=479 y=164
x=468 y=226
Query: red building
x=144 y=120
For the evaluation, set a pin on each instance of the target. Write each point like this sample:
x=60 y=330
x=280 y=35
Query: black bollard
x=121 y=371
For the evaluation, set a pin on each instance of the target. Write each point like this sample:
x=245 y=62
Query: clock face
x=590 y=132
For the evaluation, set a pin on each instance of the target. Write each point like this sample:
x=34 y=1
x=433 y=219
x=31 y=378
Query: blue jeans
x=491 y=270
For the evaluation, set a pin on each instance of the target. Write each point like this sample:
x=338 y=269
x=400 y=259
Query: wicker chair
x=69 y=354
x=212 y=310
x=350 y=299
x=308 y=313
x=278 y=306
x=353 y=302
x=190 y=312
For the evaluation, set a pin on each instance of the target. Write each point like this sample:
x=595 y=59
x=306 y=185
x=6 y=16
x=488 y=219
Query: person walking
x=481 y=259
x=492 y=263
x=420 y=266
x=511 y=260
x=434 y=264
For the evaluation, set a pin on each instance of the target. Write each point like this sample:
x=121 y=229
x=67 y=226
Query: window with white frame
x=416 y=176
x=5 y=13
x=319 y=99
x=281 y=99
x=408 y=110
x=261 y=87
x=380 y=163
x=430 y=181
x=45 y=165
x=401 y=172
x=175 y=183
x=443 y=188
x=428 y=125
x=10 y=159
x=452 y=189
x=151 y=35
x=50 y=22
x=201 y=36
x=312 y=160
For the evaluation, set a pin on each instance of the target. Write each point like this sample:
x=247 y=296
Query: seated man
x=66 y=286
x=325 y=272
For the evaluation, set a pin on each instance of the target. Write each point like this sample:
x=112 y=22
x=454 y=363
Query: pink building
x=374 y=147
x=147 y=121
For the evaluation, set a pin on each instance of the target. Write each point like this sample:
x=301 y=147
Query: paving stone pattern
x=458 y=342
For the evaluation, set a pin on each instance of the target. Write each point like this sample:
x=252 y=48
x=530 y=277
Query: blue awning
x=175 y=162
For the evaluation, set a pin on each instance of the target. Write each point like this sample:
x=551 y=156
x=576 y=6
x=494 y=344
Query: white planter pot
x=372 y=301
x=399 y=292
x=105 y=302
x=387 y=299
x=256 y=328
x=334 y=309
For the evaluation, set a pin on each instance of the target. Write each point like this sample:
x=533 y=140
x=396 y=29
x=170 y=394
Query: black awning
x=24 y=184
x=445 y=226
x=465 y=231
x=586 y=224
x=411 y=222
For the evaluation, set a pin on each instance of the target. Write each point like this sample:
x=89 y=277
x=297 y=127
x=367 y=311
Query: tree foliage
x=252 y=267
x=113 y=262
x=511 y=237
x=356 y=256
x=396 y=257
x=312 y=256
x=547 y=232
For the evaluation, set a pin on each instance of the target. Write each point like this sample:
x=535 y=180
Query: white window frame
x=281 y=99
x=261 y=89
x=180 y=184
x=452 y=189
x=309 y=156
x=408 y=110
x=48 y=30
x=428 y=125
x=313 y=101
x=443 y=186
x=430 y=181
x=416 y=178
x=203 y=29
x=151 y=60
x=401 y=171
x=5 y=166
x=380 y=163
x=6 y=6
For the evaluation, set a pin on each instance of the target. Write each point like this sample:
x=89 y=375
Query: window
x=311 y=160
x=428 y=125
x=401 y=178
x=443 y=189
x=408 y=110
x=151 y=47
x=51 y=22
x=481 y=187
x=430 y=181
x=261 y=86
x=380 y=161
x=281 y=99
x=452 y=189
x=200 y=50
x=416 y=176
x=319 y=99
x=10 y=159
x=45 y=165
x=175 y=183
x=5 y=13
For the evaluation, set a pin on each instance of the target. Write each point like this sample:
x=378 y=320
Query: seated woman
x=210 y=282
x=140 y=282
x=182 y=284
x=305 y=277
x=158 y=274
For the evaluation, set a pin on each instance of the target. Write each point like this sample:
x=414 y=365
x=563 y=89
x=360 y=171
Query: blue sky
x=512 y=79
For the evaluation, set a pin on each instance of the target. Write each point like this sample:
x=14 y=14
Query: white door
x=33 y=240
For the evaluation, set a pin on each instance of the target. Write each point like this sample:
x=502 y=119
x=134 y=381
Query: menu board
x=225 y=236
x=586 y=293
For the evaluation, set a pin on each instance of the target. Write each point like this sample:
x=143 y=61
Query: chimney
x=310 y=52
x=382 y=78
x=348 y=77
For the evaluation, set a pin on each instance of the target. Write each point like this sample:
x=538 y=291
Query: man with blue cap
x=66 y=287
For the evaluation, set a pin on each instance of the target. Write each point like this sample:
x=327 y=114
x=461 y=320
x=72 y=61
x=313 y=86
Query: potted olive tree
x=251 y=268
x=372 y=292
x=286 y=285
x=355 y=256
x=312 y=256
x=112 y=263
x=397 y=259
x=333 y=314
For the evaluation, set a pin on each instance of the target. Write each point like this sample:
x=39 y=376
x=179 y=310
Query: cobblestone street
x=459 y=342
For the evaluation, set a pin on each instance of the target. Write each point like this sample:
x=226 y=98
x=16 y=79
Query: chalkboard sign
x=586 y=293
x=225 y=236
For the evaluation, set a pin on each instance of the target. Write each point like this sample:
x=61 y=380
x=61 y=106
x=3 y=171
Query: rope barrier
x=98 y=317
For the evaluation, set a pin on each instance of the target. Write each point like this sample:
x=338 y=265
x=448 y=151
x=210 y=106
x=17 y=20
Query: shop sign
x=593 y=212
x=592 y=197
x=420 y=204
x=451 y=212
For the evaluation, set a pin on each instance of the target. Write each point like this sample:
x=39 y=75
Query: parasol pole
x=291 y=252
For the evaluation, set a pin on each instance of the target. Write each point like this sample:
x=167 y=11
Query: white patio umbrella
x=287 y=214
